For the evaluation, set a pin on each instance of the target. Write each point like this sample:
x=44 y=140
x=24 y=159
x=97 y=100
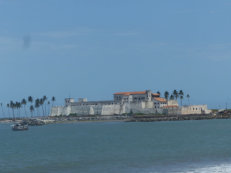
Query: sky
x=88 y=48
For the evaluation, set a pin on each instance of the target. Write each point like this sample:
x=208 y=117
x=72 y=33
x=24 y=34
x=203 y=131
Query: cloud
x=65 y=34
x=38 y=45
x=126 y=33
x=216 y=52
x=9 y=43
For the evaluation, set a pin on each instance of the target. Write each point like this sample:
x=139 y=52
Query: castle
x=140 y=102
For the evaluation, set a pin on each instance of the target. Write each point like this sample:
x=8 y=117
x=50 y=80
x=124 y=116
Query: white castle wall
x=60 y=110
x=144 y=107
x=112 y=109
x=88 y=110
x=195 y=109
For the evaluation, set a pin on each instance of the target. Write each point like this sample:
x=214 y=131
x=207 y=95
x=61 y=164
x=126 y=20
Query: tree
x=175 y=94
x=44 y=101
x=23 y=102
x=171 y=97
x=31 y=110
x=41 y=102
x=158 y=92
x=48 y=103
x=181 y=98
x=188 y=96
x=37 y=104
x=44 y=98
x=2 y=110
x=166 y=95
x=181 y=94
x=53 y=100
x=12 y=106
x=8 y=107
x=18 y=107
x=30 y=99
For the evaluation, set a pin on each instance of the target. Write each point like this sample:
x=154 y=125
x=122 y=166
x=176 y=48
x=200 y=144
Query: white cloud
x=38 y=45
x=216 y=52
x=8 y=43
x=65 y=34
x=126 y=33
x=11 y=44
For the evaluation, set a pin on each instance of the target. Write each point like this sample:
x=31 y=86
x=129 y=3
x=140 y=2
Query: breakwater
x=149 y=118
x=125 y=118
x=139 y=118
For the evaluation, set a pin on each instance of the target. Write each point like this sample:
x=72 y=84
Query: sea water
x=117 y=147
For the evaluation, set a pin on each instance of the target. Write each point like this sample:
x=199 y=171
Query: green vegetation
x=214 y=110
x=73 y=115
x=175 y=95
x=42 y=106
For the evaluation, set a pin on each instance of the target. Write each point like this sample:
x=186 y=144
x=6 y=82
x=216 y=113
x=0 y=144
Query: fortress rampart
x=142 y=102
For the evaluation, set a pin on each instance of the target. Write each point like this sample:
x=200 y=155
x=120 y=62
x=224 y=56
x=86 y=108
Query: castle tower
x=148 y=95
x=68 y=101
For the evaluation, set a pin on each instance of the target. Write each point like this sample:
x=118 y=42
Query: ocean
x=118 y=147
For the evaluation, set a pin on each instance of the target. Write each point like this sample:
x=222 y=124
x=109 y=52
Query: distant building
x=143 y=102
x=133 y=96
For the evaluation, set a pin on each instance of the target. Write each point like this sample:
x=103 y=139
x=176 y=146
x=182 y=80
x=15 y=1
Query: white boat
x=19 y=127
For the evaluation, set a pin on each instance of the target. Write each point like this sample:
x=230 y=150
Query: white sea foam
x=193 y=168
x=220 y=168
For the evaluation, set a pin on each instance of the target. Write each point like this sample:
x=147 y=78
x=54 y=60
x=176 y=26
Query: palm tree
x=37 y=104
x=48 y=103
x=158 y=92
x=44 y=98
x=41 y=102
x=44 y=101
x=166 y=95
x=53 y=100
x=181 y=98
x=12 y=106
x=175 y=94
x=23 y=102
x=171 y=97
x=31 y=110
x=181 y=94
x=18 y=107
x=8 y=107
x=30 y=99
x=188 y=96
x=2 y=109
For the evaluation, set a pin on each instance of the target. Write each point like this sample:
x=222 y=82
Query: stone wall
x=194 y=109
x=60 y=110
x=114 y=108
x=108 y=109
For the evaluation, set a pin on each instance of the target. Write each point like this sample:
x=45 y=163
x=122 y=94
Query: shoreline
x=113 y=118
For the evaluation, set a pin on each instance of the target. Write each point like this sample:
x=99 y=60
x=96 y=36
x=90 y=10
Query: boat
x=19 y=127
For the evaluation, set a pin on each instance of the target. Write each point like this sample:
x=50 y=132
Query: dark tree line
x=42 y=107
x=175 y=95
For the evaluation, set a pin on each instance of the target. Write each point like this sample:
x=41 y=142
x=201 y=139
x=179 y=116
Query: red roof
x=130 y=93
x=155 y=94
x=160 y=99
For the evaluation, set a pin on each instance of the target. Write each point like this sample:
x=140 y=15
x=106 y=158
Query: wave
x=193 y=168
